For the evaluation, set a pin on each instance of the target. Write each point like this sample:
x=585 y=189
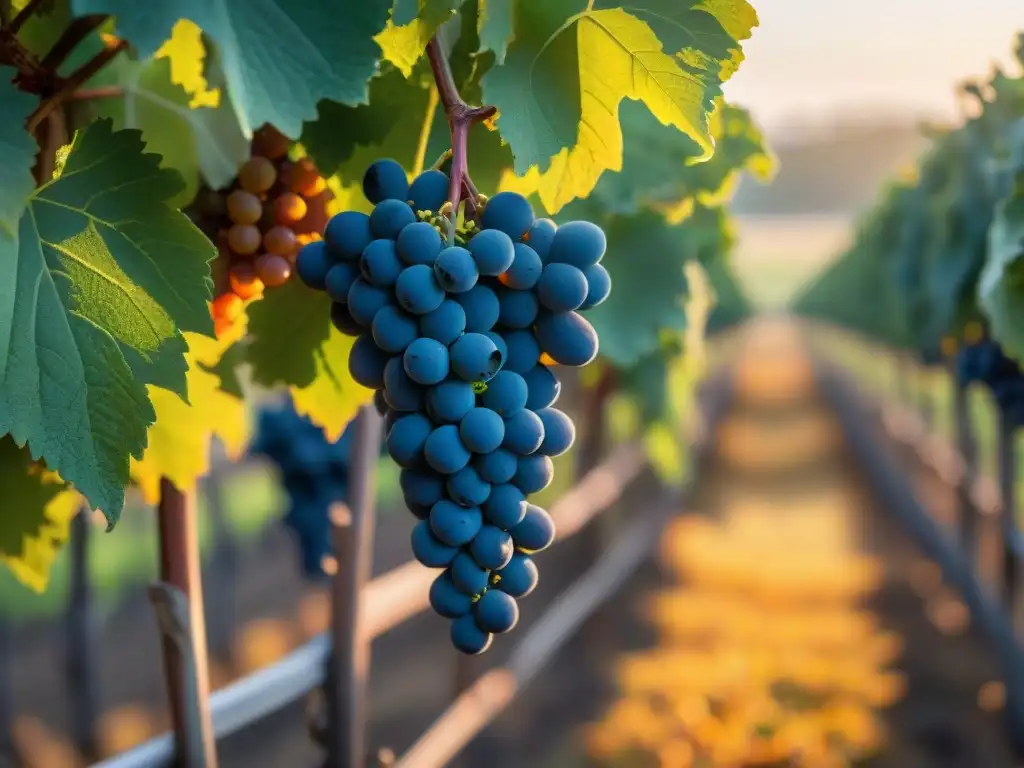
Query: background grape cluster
x=314 y=472
x=459 y=342
x=273 y=208
x=984 y=362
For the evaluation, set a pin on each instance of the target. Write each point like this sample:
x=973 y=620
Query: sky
x=810 y=58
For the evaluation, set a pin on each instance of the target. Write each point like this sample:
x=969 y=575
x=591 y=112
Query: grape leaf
x=44 y=26
x=206 y=140
x=645 y=258
x=294 y=343
x=279 y=57
x=567 y=124
x=189 y=64
x=179 y=441
x=494 y=27
x=105 y=279
x=406 y=35
x=17 y=155
x=38 y=507
x=1002 y=279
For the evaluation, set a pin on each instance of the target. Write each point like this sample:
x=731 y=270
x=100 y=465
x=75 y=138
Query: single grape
x=535 y=532
x=417 y=290
x=280 y=240
x=428 y=191
x=475 y=358
x=466 y=575
x=506 y=505
x=419 y=243
x=450 y=401
x=244 y=239
x=525 y=270
x=400 y=391
x=312 y=264
x=305 y=179
x=348 y=234
x=506 y=394
x=379 y=263
x=534 y=474
x=394 y=330
x=468 y=637
x=366 y=363
x=599 y=285
x=385 y=179
x=493 y=251
x=524 y=432
x=491 y=547
x=447 y=600
x=428 y=550
x=390 y=217
x=343 y=320
x=445 y=451
x=496 y=612
x=543 y=385
x=456 y=270
x=421 y=487
x=559 y=432
x=567 y=337
x=540 y=236
x=407 y=439
x=517 y=309
x=257 y=175
x=365 y=301
x=289 y=209
x=244 y=281
x=509 y=212
x=579 y=243
x=482 y=430
x=523 y=351
x=426 y=361
x=562 y=287
x=481 y=307
x=496 y=467
x=227 y=308
x=445 y=324
x=339 y=279
x=454 y=525
x=271 y=143
x=519 y=578
x=244 y=207
x=467 y=488
x=273 y=270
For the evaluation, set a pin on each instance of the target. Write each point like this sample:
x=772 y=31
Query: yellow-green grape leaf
x=97 y=289
x=292 y=342
x=559 y=89
x=410 y=28
x=206 y=141
x=37 y=511
x=1001 y=287
x=17 y=156
x=495 y=27
x=44 y=26
x=179 y=441
x=187 y=54
x=279 y=57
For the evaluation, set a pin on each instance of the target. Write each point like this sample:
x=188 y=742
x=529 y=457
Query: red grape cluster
x=259 y=223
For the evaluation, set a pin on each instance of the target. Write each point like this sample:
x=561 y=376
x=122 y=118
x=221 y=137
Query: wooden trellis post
x=1007 y=460
x=81 y=638
x=967 y=449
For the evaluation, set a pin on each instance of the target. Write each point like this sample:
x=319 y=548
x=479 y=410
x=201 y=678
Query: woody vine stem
x=461 y=117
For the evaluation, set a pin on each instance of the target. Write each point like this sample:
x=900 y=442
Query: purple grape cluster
x=452 y=338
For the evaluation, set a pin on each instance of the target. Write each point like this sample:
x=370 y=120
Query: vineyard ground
x=939 y=724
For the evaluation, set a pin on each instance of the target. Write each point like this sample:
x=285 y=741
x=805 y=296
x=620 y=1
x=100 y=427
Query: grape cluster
x=459 y=344
x=983 y=361
x=274 y=207
x=315 y=476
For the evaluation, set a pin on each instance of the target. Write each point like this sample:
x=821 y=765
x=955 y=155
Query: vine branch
x=75 y=33
x=22 y=16
x=461 y=117
x=81 y=75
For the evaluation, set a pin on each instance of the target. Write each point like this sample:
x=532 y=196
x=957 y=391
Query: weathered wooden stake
x=81 y=632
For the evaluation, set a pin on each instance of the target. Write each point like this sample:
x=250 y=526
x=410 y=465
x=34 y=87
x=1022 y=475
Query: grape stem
x=461 y=117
